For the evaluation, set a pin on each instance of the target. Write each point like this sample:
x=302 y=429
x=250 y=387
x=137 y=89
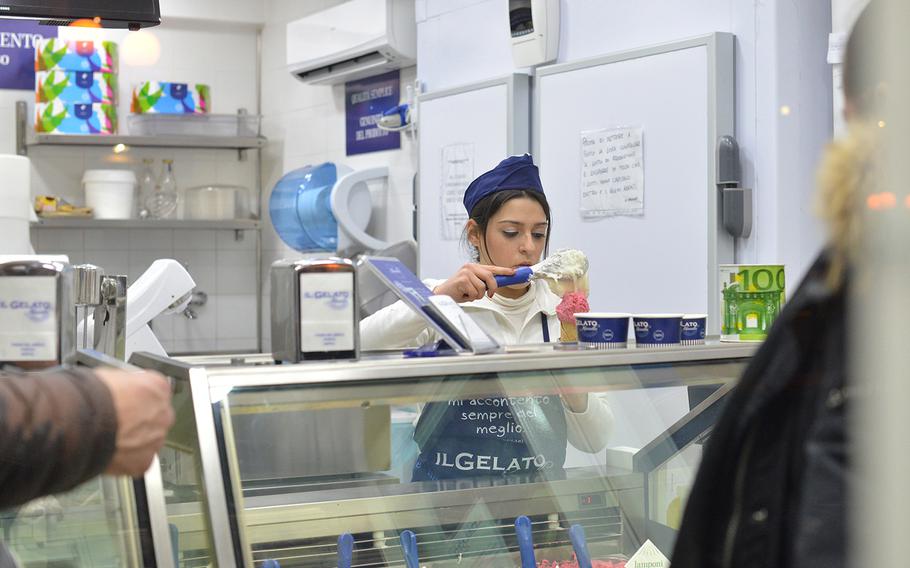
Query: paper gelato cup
x=692 y=329
x=657 y=330
x=598 y=330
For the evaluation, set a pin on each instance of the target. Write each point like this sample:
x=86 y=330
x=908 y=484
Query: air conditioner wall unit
x=355 y=39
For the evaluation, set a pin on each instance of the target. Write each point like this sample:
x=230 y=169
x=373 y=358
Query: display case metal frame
x=213 y=378
x=692 y=428
x=150 y=514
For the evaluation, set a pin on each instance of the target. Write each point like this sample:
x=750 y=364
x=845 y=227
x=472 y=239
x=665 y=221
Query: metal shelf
x=270 y=518
x=217 y=142
x=244 y=146
x=81 y=223
x=26 y=138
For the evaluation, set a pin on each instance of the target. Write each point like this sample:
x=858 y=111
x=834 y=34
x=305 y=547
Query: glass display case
x=94 y=524
x=106 y=522
x=270 y=464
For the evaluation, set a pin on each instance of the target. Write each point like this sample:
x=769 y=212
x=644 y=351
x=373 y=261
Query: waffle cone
x=567 y=332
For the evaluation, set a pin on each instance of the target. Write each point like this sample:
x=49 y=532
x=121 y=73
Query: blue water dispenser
x=326 y=207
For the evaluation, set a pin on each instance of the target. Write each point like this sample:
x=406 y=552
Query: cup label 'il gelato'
x=603 y=330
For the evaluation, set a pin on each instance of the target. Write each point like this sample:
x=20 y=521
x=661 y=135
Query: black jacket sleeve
x=820 y=533
x=57 y=430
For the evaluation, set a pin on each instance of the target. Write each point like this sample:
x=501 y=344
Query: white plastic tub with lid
x=110 y=193
x=216 y=202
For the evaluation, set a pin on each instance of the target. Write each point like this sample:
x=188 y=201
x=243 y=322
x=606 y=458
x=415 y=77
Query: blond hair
x=850 y=170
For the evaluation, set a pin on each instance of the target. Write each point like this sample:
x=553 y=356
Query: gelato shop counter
x=311 y=464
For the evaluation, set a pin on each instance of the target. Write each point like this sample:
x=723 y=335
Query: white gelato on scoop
x=564 y=264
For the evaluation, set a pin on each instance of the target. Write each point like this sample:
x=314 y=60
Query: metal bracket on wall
x=736 y=201
x=21 y=121
x=241 y=153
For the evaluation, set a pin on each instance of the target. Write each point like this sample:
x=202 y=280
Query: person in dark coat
x=772 y=487
x=61 y=428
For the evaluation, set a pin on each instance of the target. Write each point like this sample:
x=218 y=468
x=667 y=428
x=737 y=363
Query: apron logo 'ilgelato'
x=466 y=461
x=483 y=437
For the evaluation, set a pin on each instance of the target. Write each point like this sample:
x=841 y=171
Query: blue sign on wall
x=18 y=39
x=364 y=102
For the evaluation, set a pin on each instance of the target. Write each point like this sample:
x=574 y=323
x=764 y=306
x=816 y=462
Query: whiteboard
x=492 y=118
x=682 y=96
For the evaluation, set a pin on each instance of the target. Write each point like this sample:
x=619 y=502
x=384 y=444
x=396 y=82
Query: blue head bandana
x=515 y=172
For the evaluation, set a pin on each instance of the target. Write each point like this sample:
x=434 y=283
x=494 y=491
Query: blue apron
x=493 y=436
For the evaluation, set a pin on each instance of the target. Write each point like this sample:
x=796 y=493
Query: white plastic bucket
x=110 y=193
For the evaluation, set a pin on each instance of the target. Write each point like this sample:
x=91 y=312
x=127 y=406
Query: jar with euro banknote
x=752 y=296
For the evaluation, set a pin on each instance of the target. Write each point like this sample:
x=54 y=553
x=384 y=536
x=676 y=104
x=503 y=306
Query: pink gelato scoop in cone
x=572 y=303
x=566 y=273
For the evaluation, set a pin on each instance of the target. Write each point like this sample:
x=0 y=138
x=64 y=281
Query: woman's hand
x=577 y=403
x=472 y=282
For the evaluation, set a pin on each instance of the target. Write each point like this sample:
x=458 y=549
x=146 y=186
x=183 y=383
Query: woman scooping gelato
x=567 y=272
x=508 y=227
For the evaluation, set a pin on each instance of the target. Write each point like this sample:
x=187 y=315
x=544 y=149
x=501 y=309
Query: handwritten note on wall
x=457 y=174
x=612 y=172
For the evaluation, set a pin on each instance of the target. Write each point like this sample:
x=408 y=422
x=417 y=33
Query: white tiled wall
x=221 y=265
x=305 y=125
x=224 y=57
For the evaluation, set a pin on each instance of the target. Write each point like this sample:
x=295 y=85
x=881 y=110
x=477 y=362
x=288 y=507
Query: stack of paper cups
x=15 y=212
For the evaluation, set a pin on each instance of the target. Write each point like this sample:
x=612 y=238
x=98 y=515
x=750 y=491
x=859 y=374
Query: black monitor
x=132 y=14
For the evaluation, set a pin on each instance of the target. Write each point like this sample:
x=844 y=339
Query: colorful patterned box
x=75 y=87
x=58 y=117
x=59 y=54
x=170 y=98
